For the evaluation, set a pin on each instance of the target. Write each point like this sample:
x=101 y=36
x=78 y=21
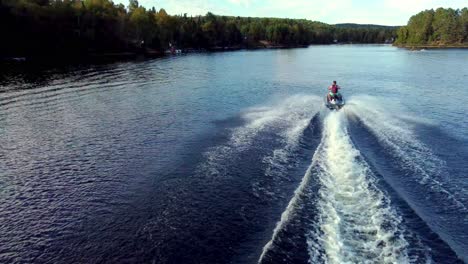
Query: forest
x=78 y=27
x=442 y=27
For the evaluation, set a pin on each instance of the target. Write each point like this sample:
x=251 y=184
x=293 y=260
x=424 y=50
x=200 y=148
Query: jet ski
x=334 y=103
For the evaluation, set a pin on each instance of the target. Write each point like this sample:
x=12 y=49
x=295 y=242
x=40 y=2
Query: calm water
x=232 y=158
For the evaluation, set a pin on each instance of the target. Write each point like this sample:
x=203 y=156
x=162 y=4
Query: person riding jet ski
x=334 y=94
x=334 y=100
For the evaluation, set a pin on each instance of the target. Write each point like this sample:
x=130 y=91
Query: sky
x=382 y=12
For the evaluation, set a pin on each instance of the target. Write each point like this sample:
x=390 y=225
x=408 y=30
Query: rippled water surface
x=232 y=158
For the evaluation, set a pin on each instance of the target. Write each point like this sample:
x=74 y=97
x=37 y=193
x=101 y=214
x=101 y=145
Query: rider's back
x=334 y=88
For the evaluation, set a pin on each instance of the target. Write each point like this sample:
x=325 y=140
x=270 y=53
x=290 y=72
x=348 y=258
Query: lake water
x=232 y=158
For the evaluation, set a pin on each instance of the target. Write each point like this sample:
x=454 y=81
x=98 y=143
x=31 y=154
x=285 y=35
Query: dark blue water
x=232 y=158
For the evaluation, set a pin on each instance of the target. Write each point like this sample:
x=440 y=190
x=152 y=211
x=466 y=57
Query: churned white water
x=356 y=222
x=391 y=127
x=285 y=119
x=289 y=117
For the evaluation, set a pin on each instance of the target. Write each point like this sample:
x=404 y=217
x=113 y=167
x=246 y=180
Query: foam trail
x=290 y=115
x=287 y=214
x=286 y=119
x=397 y=134
x=356 y=222
x=281 y=158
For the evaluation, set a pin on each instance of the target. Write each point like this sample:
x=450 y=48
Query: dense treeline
x=357 y=33
x=76 y=27
x=439 y=27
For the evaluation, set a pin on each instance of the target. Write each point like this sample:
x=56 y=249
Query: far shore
x=130 y=55
x=418 y=47
x=150 y=53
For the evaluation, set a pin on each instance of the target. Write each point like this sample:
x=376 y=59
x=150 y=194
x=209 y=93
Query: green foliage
x=440 y=27
x=32 y=27
x=464 y=23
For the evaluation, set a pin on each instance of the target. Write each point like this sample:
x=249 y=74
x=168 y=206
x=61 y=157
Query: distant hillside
x=363 y=33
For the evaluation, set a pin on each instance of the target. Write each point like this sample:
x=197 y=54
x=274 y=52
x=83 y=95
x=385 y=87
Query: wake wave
x=288 y=118
x=351 y=219
x=286 y=121
x=397 y=135
x=356 y=222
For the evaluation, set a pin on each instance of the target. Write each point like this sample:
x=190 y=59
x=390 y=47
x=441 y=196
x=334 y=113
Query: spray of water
x=286 y=119
x=356 y=222
x=391 y=127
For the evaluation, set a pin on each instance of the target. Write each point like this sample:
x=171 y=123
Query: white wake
x=286 y=120
x=391 y=127
x=356 y=222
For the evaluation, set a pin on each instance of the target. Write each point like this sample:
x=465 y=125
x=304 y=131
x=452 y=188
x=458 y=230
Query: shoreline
x=419 y=47
x=128 y=55
x=108 y=57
